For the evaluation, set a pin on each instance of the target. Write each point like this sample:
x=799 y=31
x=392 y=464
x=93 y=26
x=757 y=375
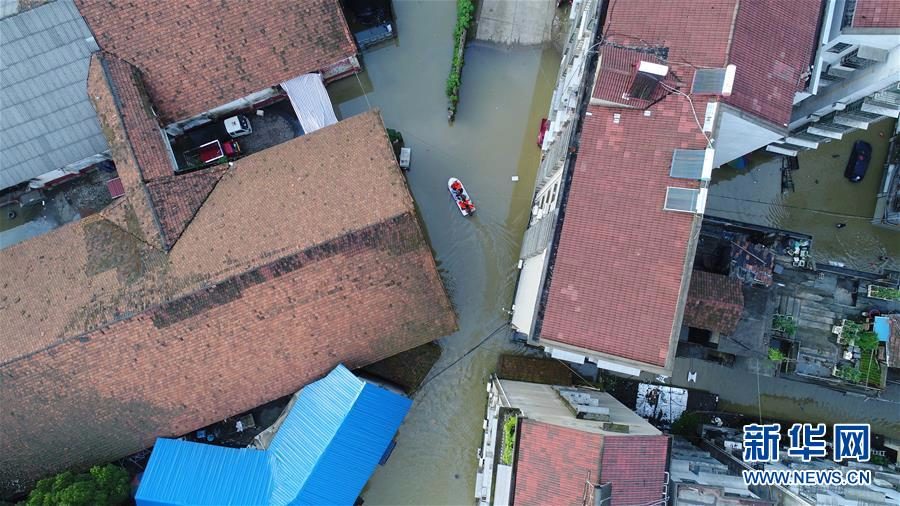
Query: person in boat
x=457 y=189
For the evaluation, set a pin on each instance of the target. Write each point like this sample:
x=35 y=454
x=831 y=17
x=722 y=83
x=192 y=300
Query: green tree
x=102 y=485
x=687 y=425
x=785 y=323
x=775 y=355
x=867 y=341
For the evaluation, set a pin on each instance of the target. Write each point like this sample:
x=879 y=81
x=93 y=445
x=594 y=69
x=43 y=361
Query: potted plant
x=849 y=373
x=775 y=355
x=784 y=323
x=883 y=292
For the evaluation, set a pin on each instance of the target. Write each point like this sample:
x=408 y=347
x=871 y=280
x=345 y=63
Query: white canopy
x=310 y=101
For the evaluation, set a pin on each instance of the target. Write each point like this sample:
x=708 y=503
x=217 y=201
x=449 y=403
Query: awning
x=526 y=301
x=311 y=102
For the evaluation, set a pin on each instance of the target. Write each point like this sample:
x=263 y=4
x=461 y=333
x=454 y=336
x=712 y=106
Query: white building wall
x=561 y=118
x=822 y=97
x=737 y=136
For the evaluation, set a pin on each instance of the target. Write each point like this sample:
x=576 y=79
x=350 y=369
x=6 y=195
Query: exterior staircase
x=833 y=126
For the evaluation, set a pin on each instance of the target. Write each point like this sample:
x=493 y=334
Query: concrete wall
x=738 y=136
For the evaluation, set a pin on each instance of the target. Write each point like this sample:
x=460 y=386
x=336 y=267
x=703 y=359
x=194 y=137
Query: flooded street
x=505 y=93
x=822 y=199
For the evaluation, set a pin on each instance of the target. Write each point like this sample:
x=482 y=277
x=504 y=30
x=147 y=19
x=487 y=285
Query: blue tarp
x=323 y=453
x=882 y=328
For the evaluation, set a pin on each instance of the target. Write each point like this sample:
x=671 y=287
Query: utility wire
x=369 y=104
x=693 y=110
x=787 y=206
x=464 y=355
x=586 y=382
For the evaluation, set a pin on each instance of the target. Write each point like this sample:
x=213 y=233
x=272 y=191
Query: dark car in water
x=859 y=160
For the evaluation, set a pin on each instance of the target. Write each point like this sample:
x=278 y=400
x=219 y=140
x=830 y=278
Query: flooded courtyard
x=505 y=93
x=822 y=200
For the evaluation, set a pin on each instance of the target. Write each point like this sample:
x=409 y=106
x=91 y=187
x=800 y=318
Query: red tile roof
x=108 y=342
x=114 y=88
x=554 y=464
x=636 y=468
x=876 y=14
x=617 y=277
x=617 y=283
x=133 y=104
x=176 y=199
x=201 y=54
x=772 y=48
x=715 y=302
x=616 y=73
x=771 y=42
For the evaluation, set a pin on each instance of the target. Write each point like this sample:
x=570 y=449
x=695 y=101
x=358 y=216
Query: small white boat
x=460 y=197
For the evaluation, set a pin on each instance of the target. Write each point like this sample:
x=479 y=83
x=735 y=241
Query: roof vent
x=646 y=79
x=692 y=163
x=714 y=81
x=685 y=200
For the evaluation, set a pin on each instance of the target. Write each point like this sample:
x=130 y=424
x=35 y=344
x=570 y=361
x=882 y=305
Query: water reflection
x=504 y=95
x=822 y=199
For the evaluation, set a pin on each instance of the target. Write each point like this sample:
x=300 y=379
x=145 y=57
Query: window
x=838 y=48
x=687 y=200
x=714 y=81
x=692 y=163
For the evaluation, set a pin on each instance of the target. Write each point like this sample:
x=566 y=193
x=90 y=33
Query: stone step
x=840 y=71
x=818 y=310
x=890 y=96
x=856 y=119
x=827 y=320
x=808 y=296
x=783 y=149
x=873 y=106
x=806 y=140
x=827 y=130
x=872 y=53
x=824 y=327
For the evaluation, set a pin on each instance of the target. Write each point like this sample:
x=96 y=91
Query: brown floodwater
x=822 y=199
x=505 y=93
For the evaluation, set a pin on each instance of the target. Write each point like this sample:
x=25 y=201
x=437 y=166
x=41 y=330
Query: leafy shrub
x=102 y=485
x=509 y=439
x=849 y=373
x=687 y=425
x=851 y=328
x=464 y=11
x=867 y=341
x=775 y=355
x=885 y=292
x=784 y=324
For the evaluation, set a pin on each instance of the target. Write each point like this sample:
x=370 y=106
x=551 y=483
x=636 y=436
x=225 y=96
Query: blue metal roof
x=882 y=328
x=323 y=453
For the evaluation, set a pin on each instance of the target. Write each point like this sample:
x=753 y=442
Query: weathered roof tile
x=199 y=54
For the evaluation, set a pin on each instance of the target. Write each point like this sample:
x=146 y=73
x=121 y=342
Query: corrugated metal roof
x=323 y=453
x=184 y=472
x=46 y=117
